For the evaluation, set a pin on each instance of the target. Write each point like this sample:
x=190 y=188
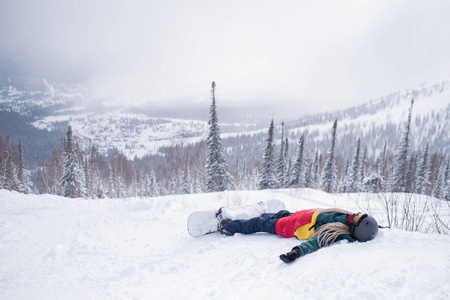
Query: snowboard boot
x=222 y=226
x=222 y=223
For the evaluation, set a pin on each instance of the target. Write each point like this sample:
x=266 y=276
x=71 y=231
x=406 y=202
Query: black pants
x=263 y=223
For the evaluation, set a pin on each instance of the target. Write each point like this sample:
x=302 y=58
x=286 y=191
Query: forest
x=74 y=171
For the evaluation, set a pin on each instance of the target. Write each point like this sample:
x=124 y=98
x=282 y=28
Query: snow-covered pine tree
x=362 y=186
x=398 y=182
x=153 y=191
x=218 y=177
x=447 y=181
x=299 y=163
x=315 y=171
x=343 y=186
x=281 y=162
x=288 y=163
x=185 y=186
x=22 y=173
x=268 y=176
x=381 y=168
x=71 y=180
x=423 y=173
x=329 y=171
x=309 y=175
x=10 y=181
x=439 y=189
x=354 y=176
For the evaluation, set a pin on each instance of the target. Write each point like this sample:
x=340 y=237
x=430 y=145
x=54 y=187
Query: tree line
x=75 y=171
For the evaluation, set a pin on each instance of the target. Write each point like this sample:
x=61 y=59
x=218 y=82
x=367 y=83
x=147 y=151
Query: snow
x=57 y=248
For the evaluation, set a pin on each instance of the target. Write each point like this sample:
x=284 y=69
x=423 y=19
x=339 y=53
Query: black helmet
x=365 y=229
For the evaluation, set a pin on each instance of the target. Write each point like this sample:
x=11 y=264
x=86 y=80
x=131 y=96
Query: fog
x=322 y=55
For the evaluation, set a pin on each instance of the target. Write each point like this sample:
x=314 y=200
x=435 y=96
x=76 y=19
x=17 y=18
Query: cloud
x=329 y=52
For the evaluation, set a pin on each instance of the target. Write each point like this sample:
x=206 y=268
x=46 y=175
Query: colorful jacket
x=302 y=225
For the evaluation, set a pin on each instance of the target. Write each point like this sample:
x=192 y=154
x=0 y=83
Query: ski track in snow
x=57 y=248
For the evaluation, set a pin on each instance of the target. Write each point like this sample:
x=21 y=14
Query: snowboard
x=206 y=221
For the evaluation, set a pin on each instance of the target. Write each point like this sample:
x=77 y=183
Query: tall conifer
x=268 y=176
x=218 y=177
x=399 y=176
x=329 y=171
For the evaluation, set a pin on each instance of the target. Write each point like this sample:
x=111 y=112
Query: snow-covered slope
x=57 y=248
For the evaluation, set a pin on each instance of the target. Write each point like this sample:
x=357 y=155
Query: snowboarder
x=320 y=227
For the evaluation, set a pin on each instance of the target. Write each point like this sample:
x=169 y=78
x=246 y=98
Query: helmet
x=365 y=229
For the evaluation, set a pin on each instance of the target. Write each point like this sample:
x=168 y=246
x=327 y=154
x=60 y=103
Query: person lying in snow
x=320 y=227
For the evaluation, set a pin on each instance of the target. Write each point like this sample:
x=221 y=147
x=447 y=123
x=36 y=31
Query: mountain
x=58 y=248
x=377 y=122
x=38 y=111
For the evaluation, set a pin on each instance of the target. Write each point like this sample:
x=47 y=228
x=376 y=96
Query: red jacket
x=287 y=226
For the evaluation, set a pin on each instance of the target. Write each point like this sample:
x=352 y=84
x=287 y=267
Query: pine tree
x=447 y=181
x=423 y=173
x=439 y=189
x=22 y=173
x=399 y=183
x=382 y=169
x=299 y=163
x=71 y=181
x=343 y=188
x=354 y=179
x=185 y=186
x=153 y=185
x=268 y=176
x=218 y=177
x=315 y=171
x=309 y=175
x=329 y=172
x=362 y=187
x=10 y=178
x=281 y=162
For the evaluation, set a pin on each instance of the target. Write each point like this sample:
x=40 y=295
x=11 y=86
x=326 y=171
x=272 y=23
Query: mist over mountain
x=38 y=111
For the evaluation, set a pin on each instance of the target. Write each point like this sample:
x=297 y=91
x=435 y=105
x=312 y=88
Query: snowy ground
x=57 y=248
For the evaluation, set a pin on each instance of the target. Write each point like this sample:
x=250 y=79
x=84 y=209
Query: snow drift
x=58 y=248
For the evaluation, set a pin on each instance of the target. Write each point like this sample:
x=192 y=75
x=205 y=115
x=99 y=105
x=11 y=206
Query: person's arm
x=308 y=247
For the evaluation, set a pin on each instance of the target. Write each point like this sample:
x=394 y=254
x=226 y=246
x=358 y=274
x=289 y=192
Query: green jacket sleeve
x=313 y=245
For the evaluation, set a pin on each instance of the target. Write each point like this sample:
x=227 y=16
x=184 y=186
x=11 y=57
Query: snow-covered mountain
x=378 y=122
x=44 y=106
x=59 y=248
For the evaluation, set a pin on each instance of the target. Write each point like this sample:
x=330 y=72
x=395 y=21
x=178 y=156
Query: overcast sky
x=319 y=54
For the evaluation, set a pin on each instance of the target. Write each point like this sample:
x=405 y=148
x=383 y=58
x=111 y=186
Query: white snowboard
x=205 y=221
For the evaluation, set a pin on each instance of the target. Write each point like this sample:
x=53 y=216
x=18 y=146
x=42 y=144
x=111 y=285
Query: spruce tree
x=22 y=173
x=185 y=186
x=299 y=163
x=315 y=171
x=268 y=176
x=281 y=162
x=10 y=178
x=218 y=177
x=382 y=169
x=398 y=182
x=439 y=189
x=362 y=187
x=329 y=171
x=309 y=175
x=354 y=176
x=423 y=173
x=71 y=180
x=343 y=188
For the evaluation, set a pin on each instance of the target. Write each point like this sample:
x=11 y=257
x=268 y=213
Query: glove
x=292 y=255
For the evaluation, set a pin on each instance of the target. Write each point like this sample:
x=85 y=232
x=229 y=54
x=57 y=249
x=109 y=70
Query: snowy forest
x=208 y=166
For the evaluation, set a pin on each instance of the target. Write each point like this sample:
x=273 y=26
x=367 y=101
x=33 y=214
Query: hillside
x=45 y=108
x=377 y=122
x=58 y=248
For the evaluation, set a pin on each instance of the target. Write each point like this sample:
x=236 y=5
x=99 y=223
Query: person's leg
x=264 y=223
